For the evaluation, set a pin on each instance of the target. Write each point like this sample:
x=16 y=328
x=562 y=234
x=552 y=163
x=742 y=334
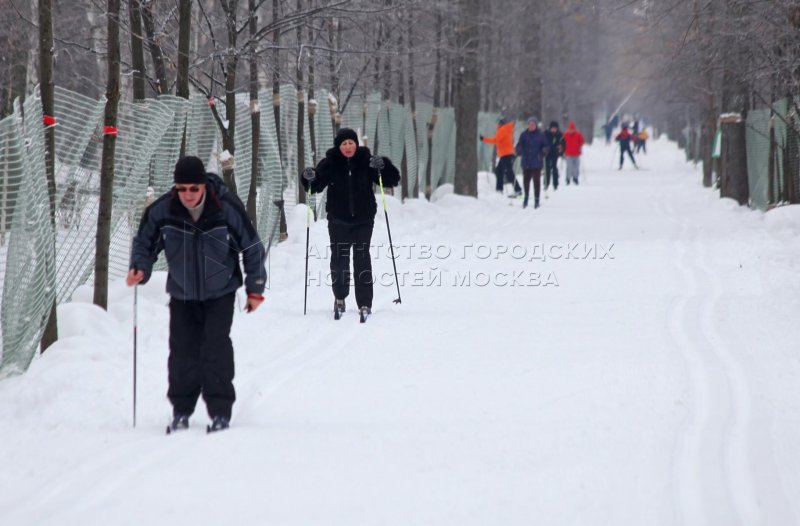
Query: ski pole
x=135 y=311
x=389 y=230
x=308 y=228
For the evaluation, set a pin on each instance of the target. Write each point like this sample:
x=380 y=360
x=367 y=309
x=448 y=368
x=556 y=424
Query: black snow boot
x=218 y=423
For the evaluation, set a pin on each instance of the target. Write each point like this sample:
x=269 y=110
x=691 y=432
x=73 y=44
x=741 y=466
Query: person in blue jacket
x=202 y=228
x=532 y=145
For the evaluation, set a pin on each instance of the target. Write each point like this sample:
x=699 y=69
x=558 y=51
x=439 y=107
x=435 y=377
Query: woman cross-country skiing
x=348 y=171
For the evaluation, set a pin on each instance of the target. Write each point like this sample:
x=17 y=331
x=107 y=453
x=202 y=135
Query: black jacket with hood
x=202 y=257
x=349 y=181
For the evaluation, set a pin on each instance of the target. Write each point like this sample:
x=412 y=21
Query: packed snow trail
x=637 y=365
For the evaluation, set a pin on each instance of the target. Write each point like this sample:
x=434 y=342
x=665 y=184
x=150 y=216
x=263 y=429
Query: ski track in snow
x=713 y=478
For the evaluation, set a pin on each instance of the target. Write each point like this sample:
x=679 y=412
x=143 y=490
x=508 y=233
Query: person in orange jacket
x=573 y=144
x=641 y=144
x=504 y=141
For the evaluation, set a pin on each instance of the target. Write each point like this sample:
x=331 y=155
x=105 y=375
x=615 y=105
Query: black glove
x=309 y=174
x=481 y=137
x=376 y=163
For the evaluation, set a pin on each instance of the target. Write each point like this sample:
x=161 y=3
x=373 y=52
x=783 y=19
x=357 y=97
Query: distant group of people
x=539 y=150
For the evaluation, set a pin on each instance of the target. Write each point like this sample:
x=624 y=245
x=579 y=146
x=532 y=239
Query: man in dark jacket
x=202 y=228
x=555 y=143
x=532 y=146
x=348 y=171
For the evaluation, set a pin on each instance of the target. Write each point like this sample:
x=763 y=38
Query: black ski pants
x=536 y=175
x=551 y=172
x=201 y=355
x=344 y=238
x=504 y=173
x=622 y=150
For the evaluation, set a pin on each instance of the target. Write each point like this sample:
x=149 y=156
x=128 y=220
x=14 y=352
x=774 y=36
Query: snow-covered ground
x=625 y=355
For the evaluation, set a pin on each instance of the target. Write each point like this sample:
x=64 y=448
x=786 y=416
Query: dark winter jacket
x=202 y=257
x=624 y=138
x=532 y=146
x=555 y=142
x=351 y=198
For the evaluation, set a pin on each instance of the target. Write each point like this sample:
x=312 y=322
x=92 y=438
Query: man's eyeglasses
x=192 y=189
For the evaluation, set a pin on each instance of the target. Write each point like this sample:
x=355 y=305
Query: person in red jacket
x=573 y=141
x=504 y=141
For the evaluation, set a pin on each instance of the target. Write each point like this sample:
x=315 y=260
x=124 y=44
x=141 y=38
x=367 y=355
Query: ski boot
x=218 y=423
x=338 y=309
x=179 y=423
x=364 y=313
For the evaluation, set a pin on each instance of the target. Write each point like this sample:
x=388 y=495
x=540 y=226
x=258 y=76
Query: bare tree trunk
x=46 y=80
x=255 y=116
x=276 y=109
x=312 y=102
x=231 y=62
x=301 y=112
x=733 y=182
x=412 y=95
x=184 y=38
x=401 y=99
x=468 y=99
x=387 y=63
x=154 y=45
x=107 y=168
x=137 y=50
x=335 y=38
x=437 y=88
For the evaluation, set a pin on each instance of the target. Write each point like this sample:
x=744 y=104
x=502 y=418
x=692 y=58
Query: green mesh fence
x=443 y=161
x=353 y=115
x=397 y=132
x=288 y=134
x=487 y=126
x=758 y=151
x=423 y=118
x=243 y=156
x=141 y=129
x=372 y=110
x=323 y=132
x=201 y=130
x=169 y=148
x=26 y=244
x=270 y=193
x=381 y=143
x=410 y=146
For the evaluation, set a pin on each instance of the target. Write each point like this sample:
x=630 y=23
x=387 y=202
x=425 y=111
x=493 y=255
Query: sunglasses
x=192 y=189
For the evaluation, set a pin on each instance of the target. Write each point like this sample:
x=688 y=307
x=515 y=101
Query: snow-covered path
x=626 y=354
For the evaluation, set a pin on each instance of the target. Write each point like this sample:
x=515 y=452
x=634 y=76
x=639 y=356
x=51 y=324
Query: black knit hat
x=190 y=170
x=345 y=134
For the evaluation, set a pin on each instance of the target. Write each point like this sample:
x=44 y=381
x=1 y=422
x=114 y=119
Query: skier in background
x=573 y=145
x=504 y=141
x=532 y=146
x=624 y=138
x=202 y=229
x=641 y=144
x=555 y=145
